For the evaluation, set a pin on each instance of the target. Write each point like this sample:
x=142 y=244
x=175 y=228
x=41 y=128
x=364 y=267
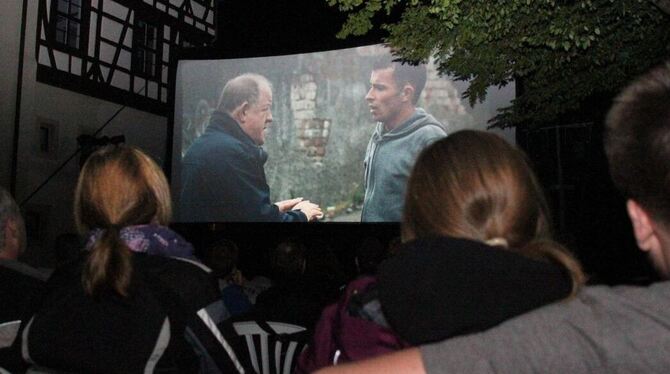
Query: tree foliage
x=561 y=51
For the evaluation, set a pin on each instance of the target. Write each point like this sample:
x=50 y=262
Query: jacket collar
x=221 y=121
x=417 y=120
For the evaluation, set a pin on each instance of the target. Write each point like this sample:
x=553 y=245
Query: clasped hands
x=311 y=210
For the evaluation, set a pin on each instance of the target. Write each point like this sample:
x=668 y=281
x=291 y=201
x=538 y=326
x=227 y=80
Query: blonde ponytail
x=109 y=265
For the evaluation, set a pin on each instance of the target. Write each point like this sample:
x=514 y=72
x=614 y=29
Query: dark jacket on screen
x=223 y=178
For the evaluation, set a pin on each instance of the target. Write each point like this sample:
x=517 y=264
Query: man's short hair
x=404 y=73
x=8 y=210
x=637 y=142
x=245 y=87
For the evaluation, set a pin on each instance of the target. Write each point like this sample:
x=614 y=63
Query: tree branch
x=663 y=5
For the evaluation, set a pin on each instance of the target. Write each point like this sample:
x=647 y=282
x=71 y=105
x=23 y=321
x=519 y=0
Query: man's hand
x=286 y=205
x=311 y=210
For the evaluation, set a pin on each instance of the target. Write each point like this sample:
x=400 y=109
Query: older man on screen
x=223 y=175
x=621 y=329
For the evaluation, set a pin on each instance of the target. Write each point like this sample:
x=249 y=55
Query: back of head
x=222 y=257
x=404 y=73
x=10 y=214
x=288 y=259
x=243 y=88
x=484 y=186
x=637 y=142
x=118 y=186
x=486 y=191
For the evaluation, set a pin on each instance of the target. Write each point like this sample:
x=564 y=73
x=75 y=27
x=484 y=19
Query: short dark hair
x=404 y=73
x=637 y=142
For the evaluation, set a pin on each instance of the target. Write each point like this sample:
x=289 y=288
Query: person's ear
x=407 y=92
x=240 y=113
x=643 y=227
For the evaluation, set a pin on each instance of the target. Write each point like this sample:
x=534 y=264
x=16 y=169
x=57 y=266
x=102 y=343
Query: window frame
x=139 y=62
x=82 y=22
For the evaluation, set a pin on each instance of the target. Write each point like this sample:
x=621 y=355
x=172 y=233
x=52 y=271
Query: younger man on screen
x=223 y=175
x=402 y=131
x=604 y=329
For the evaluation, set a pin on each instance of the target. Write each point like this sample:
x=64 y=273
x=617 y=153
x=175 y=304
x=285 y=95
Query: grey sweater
x=604 y=330
x=388 y=162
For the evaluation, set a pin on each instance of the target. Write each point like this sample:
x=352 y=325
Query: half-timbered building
x=72 y=67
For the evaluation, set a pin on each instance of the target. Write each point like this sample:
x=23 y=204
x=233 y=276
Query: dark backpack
x=343 y=334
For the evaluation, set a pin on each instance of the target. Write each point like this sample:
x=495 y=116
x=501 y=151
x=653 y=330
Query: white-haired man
x=223 y=176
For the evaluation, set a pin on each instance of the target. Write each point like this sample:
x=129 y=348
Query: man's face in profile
x=383 y=98
x=259 y=116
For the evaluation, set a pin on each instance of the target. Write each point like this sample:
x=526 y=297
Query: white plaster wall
x=74 y=113
x=10 y=18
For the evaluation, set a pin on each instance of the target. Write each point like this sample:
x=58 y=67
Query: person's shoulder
x=172 y=266
x=426 y=130
x=190 y=279
x=431 y=129
x=601 y=328
x=597 y=308
x=626 y=301
x=23 y=271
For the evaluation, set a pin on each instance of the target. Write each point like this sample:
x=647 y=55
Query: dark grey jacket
x=388 y=162
x=604 y=330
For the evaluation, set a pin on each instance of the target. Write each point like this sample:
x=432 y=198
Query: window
x=68 y=19
x=145 y=49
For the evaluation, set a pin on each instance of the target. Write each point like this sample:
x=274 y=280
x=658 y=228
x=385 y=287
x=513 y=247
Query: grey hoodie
x=621 y=329
x=388 y=161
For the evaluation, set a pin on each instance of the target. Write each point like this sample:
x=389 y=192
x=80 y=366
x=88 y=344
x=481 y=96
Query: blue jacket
x=223 y=178
x=388 y=162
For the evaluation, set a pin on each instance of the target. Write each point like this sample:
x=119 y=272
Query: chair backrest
x=8 y=332
x=272 y=346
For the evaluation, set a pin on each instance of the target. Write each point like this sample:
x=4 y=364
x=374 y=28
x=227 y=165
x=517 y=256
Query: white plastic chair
x=283 y=355
x=8 y=331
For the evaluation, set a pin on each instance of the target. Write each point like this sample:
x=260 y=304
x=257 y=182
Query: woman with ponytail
x=477 y=251
x=122 y=204
x=136 y=301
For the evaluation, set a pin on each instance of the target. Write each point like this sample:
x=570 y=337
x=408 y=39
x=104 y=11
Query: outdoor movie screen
x=315 y=145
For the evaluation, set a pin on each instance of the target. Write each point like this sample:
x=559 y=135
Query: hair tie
x=497 y=242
